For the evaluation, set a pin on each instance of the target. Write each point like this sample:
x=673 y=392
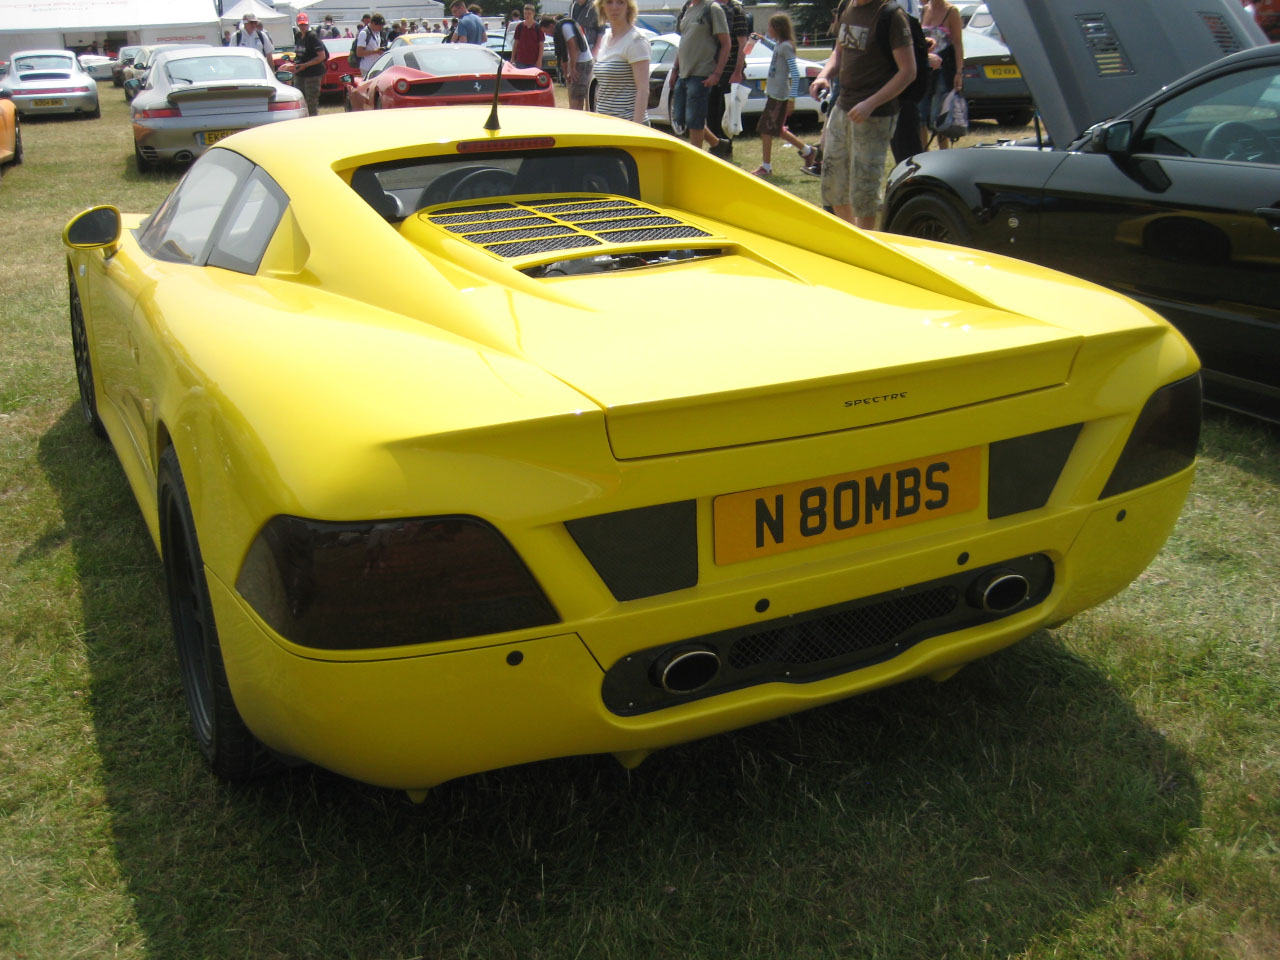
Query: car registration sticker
x=49 y=103
x=1002 y=71
x=791 y=516
x=209 y=137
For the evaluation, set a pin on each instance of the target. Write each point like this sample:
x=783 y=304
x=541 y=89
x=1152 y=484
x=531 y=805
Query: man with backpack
x=371 y=42
x=252 y=35
x=739 y=34
x=875 y=61
x=700 y=62
x=573 y=53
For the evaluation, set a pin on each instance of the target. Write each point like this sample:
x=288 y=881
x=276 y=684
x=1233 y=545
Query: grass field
x=1108 y=790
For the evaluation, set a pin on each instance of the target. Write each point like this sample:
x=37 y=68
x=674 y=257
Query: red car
x=335 y=68
x=433 y=75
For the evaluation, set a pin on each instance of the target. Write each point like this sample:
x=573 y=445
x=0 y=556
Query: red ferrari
x=335 y=68
x=433 y=75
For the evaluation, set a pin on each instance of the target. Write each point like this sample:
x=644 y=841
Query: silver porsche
x=195 y=97
x=49 y=81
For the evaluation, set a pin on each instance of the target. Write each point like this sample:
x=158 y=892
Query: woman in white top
x=622 y=64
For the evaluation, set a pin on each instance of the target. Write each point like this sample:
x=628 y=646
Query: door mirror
x=284 y=76
x=133 y=84
x=96 y=227
x=1115 y=138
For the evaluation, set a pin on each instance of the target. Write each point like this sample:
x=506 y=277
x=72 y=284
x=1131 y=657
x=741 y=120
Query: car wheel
x=592 y=90
x=346 y=103
x=96 y=112
x=232 y=752
x=377 y=101
x=1016 y=118
x=144 y=165
x=929 y=218
x=84 y=362
x=17 y=143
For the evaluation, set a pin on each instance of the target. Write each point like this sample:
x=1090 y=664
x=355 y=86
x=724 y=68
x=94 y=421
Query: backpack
x=918 y=87
x=562 y=53
x=352 y=59
x=951 y=119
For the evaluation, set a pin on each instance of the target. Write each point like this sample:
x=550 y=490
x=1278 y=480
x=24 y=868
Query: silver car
x=49 y=81
x=193 y=98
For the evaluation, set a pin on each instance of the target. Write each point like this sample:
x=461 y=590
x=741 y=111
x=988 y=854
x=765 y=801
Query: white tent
x=25 y=24
x=260 y=10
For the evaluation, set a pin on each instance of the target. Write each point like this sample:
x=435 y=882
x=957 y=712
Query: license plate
x=48 y=103
x=210 y=137
x=1002 y=71
x=792 y=516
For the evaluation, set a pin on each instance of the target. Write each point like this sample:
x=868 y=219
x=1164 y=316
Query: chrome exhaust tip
x=182 y=156
x=686 y=669
x=1001 y=591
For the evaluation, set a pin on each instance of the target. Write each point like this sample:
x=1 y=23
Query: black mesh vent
x=480 y=207
x=494 y=236
x=613 y=223
x=503 y=220
x=523 y=248
x=1104 y=46
x=863 y=629
x=1222 y=33
x=661 y=233
x=642 y=552
x=557 y=208
x=586 y=218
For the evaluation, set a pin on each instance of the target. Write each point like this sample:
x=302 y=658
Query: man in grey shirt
x=704 y=49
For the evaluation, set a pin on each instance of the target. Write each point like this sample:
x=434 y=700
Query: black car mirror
x=133 y=84
x=347 y=78
x=1116 y=137
x=284 y=76
x=96 y=227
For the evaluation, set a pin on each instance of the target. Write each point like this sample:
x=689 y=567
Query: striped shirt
x=616 y=87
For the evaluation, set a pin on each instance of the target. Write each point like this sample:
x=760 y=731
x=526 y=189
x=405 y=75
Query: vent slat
x=1104 y=46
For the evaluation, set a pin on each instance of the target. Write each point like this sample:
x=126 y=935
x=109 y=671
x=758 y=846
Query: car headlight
x=345 y=586
x=1163 y=440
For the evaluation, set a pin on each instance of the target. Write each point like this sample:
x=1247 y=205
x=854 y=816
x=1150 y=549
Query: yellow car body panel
x=374 y=369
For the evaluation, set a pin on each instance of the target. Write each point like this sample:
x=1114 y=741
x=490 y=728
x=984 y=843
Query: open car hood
x=1089 y=60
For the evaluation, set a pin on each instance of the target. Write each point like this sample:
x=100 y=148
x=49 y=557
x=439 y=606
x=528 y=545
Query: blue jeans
x=689 y=103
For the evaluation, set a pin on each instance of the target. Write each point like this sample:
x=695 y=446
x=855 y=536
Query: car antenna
x=492 y=122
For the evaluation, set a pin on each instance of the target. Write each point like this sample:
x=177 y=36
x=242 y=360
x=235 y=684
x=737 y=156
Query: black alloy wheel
x=231 y=751
x=84 y=362
x=929 y=218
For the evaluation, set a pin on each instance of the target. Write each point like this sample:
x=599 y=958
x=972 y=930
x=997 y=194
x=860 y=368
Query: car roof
x=189 y=53
x=1089 y=60
x=42 y=53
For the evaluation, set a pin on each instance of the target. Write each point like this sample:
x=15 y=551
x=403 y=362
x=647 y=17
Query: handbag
x=951 y=119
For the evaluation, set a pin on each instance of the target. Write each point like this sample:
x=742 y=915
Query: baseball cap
x=303 y=18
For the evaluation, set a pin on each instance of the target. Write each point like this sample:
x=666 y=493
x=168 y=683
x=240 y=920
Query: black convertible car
x=1174 y=201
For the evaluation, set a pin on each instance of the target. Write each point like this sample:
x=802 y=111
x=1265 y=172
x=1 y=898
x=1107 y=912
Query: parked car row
x=41 y=82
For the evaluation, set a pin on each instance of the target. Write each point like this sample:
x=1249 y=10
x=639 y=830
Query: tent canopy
x=260 y=11
x=71 y=15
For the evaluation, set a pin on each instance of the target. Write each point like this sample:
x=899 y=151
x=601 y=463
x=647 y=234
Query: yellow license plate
x=210 y=137
x=1002 y=71
x=792 y=516
x=48 y=103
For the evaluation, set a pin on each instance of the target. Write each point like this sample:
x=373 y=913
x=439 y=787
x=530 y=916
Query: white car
x=755 y=74
x=97 y=67
x=49 y=81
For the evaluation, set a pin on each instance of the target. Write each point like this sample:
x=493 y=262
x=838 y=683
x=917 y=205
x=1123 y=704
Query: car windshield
x=338 y=45
x=43 y=62
x=204 y=69
x=451 y=58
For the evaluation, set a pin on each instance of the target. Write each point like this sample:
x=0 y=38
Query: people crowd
x=873 y=101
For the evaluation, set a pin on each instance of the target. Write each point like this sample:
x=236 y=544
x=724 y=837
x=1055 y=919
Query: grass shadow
x=968 y=819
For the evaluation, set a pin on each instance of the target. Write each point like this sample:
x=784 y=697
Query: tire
x=232 y=752
x=346 y=102
x=929 y=218
x=96 y=112
x=83 y=359
x=144 y=165
x=17 y=143
x=1016 y=118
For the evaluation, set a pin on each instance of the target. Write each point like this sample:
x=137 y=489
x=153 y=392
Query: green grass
x=1108 y=790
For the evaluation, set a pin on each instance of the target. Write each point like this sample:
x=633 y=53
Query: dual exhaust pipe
x=687 y=669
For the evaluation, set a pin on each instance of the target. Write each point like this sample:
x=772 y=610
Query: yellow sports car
x=10 y=135
x=467 y=447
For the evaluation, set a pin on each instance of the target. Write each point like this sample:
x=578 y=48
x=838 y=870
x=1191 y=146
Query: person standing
x=328 y=30
x=585 y=15
x=780 y=93
x=573 y=53
x=941 y=24
x=700 y=60
x=526 y=42
x=309 y=65
x=371 y=43
x=253 y=36
x=739 y=34
x=622 y=66
x=857 y=135
x=470 y=28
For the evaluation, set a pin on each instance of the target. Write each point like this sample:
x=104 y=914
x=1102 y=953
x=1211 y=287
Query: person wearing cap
x=371 y=43
x=252 y=35
x=309 y=64
x=328 y=30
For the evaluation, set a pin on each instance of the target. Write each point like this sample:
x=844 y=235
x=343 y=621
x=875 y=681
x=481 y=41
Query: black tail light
x=345 y=586
x=1024 y=470
x=1164 y=438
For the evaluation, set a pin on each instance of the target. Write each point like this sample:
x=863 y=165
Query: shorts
x=582 y=82
x=689 y=103
x=853 y=162
x=773 y=117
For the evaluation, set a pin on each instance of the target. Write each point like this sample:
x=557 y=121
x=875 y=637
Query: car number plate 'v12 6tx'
x=791 y=516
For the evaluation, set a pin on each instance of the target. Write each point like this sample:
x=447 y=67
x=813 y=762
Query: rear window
x=402 y=187
x=27 y=64
x=447 y=59
x=204 y=69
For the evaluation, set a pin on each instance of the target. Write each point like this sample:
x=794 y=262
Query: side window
x=1231 y=117
x=250 y=225
x=379 y=66
x=180 y=231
